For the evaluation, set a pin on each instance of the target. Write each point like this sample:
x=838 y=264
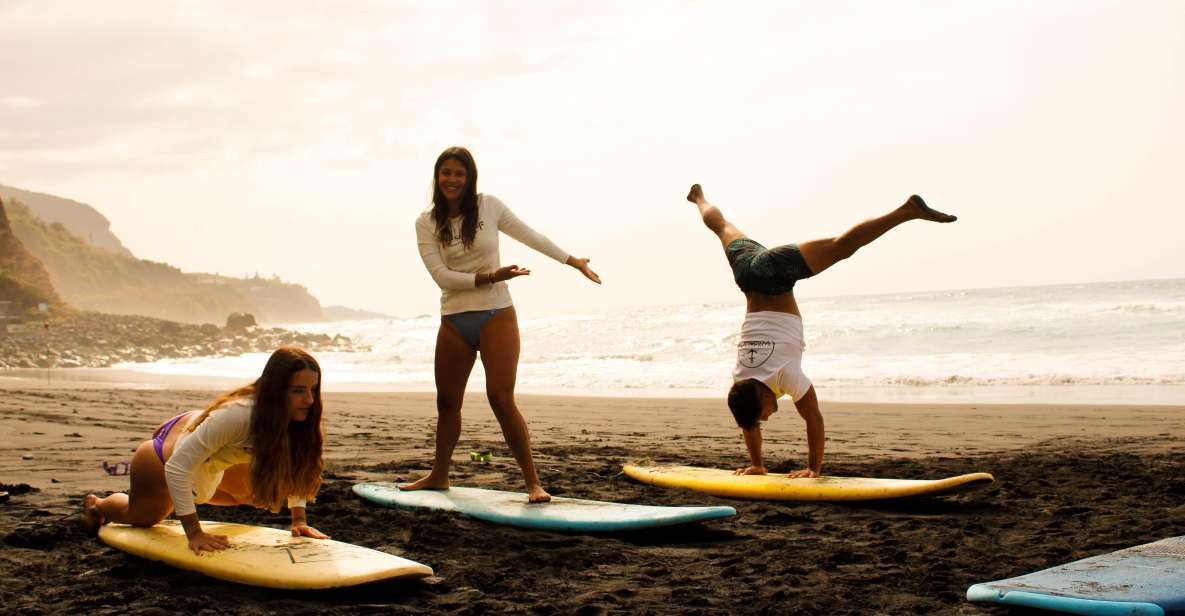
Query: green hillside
x=24 y=281
x=93 y=278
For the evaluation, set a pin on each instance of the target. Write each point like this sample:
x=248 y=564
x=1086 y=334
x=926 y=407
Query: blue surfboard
x=561 y=514
x=1146 y=580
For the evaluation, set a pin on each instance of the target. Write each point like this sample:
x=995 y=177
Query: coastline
x=82 y=339
x=128 y=377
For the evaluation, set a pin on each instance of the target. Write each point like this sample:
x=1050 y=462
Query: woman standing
x=258 y=445
x=458 y=240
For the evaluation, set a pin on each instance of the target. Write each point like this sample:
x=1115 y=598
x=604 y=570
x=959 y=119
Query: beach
x=953 y=221
x=1071 y=481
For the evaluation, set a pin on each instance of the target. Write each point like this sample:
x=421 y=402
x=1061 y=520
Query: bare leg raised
x=822 y=254
x=713 y=218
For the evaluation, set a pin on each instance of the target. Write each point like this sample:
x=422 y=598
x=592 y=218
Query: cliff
x=80 y=219
x=94 y=278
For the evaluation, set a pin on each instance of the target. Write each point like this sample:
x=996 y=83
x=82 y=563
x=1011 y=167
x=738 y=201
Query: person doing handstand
x=769 y=354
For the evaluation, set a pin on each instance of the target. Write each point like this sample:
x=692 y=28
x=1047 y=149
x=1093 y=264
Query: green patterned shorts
x=766 y=271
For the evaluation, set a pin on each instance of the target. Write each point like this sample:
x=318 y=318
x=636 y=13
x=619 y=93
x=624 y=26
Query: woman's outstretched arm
x=513 y=226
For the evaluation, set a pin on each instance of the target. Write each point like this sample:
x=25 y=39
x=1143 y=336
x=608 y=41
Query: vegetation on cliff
x=24 y=281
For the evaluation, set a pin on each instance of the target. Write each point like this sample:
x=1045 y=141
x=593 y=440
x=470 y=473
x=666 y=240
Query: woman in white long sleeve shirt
x=458 y=241
x=258 y=445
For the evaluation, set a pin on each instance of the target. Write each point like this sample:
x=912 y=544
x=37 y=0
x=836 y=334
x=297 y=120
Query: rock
x=240 y=320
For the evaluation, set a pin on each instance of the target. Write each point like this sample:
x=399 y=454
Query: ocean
x=1116 y=342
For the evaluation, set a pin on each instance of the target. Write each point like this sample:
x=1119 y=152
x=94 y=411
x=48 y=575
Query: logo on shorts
x=753 y=353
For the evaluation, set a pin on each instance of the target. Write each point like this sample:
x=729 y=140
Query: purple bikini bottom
x=158 y=439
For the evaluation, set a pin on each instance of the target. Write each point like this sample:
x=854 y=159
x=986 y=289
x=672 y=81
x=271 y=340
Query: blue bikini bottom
x=470 y=324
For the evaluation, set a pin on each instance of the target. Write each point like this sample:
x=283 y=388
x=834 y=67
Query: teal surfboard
x=1146 y=580
x=561 y=514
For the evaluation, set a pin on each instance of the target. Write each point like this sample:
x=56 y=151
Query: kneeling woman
x=258 y=445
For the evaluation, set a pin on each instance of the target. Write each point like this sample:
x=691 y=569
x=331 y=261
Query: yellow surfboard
x=264 y=556
x=780 y=488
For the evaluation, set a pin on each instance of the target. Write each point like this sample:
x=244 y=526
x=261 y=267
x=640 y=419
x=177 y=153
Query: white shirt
x=199 y=458
x=770 y=350
x=453 y=266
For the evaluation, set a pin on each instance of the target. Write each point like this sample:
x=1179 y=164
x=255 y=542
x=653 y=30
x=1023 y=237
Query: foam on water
x=1122 y=342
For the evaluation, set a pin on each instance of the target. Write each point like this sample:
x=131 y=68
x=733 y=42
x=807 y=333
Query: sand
x=1072 y=481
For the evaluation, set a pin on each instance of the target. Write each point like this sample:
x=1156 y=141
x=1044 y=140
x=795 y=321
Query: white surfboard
x=562 y=514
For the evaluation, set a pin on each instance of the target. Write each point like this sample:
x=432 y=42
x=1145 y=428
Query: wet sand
x=1071 y=481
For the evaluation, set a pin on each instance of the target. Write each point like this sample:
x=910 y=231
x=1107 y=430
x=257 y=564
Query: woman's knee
x=448 y=405
x=501 y=400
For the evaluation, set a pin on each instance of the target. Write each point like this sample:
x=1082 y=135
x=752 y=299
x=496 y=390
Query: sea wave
x=1117 y=335
x=1161 y=307
x=1028 y=380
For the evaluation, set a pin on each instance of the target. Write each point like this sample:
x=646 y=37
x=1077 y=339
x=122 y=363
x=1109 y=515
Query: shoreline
x=1050 y=394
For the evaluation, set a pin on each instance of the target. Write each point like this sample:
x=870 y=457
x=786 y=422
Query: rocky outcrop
x=239 y=321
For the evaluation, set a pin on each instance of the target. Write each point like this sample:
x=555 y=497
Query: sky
x=297 y=139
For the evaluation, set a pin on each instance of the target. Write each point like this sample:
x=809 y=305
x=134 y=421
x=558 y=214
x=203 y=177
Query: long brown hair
x=468 y=198
x=286 y=455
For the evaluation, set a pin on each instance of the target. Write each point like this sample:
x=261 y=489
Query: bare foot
x=696 y=194
x=925 y=212
x=537 y=494
x=426 y=483
x=92 y=519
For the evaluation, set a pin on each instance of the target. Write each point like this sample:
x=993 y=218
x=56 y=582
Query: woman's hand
x=202 y=540
x=508 y=272
x=582 y=265
x=304 y=530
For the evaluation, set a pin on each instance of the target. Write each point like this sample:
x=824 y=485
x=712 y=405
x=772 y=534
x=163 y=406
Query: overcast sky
x=298 y=138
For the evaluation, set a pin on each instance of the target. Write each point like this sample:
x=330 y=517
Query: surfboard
x=780 y=488
x=261 y=556
x=561 y=514
x=1145 y=580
